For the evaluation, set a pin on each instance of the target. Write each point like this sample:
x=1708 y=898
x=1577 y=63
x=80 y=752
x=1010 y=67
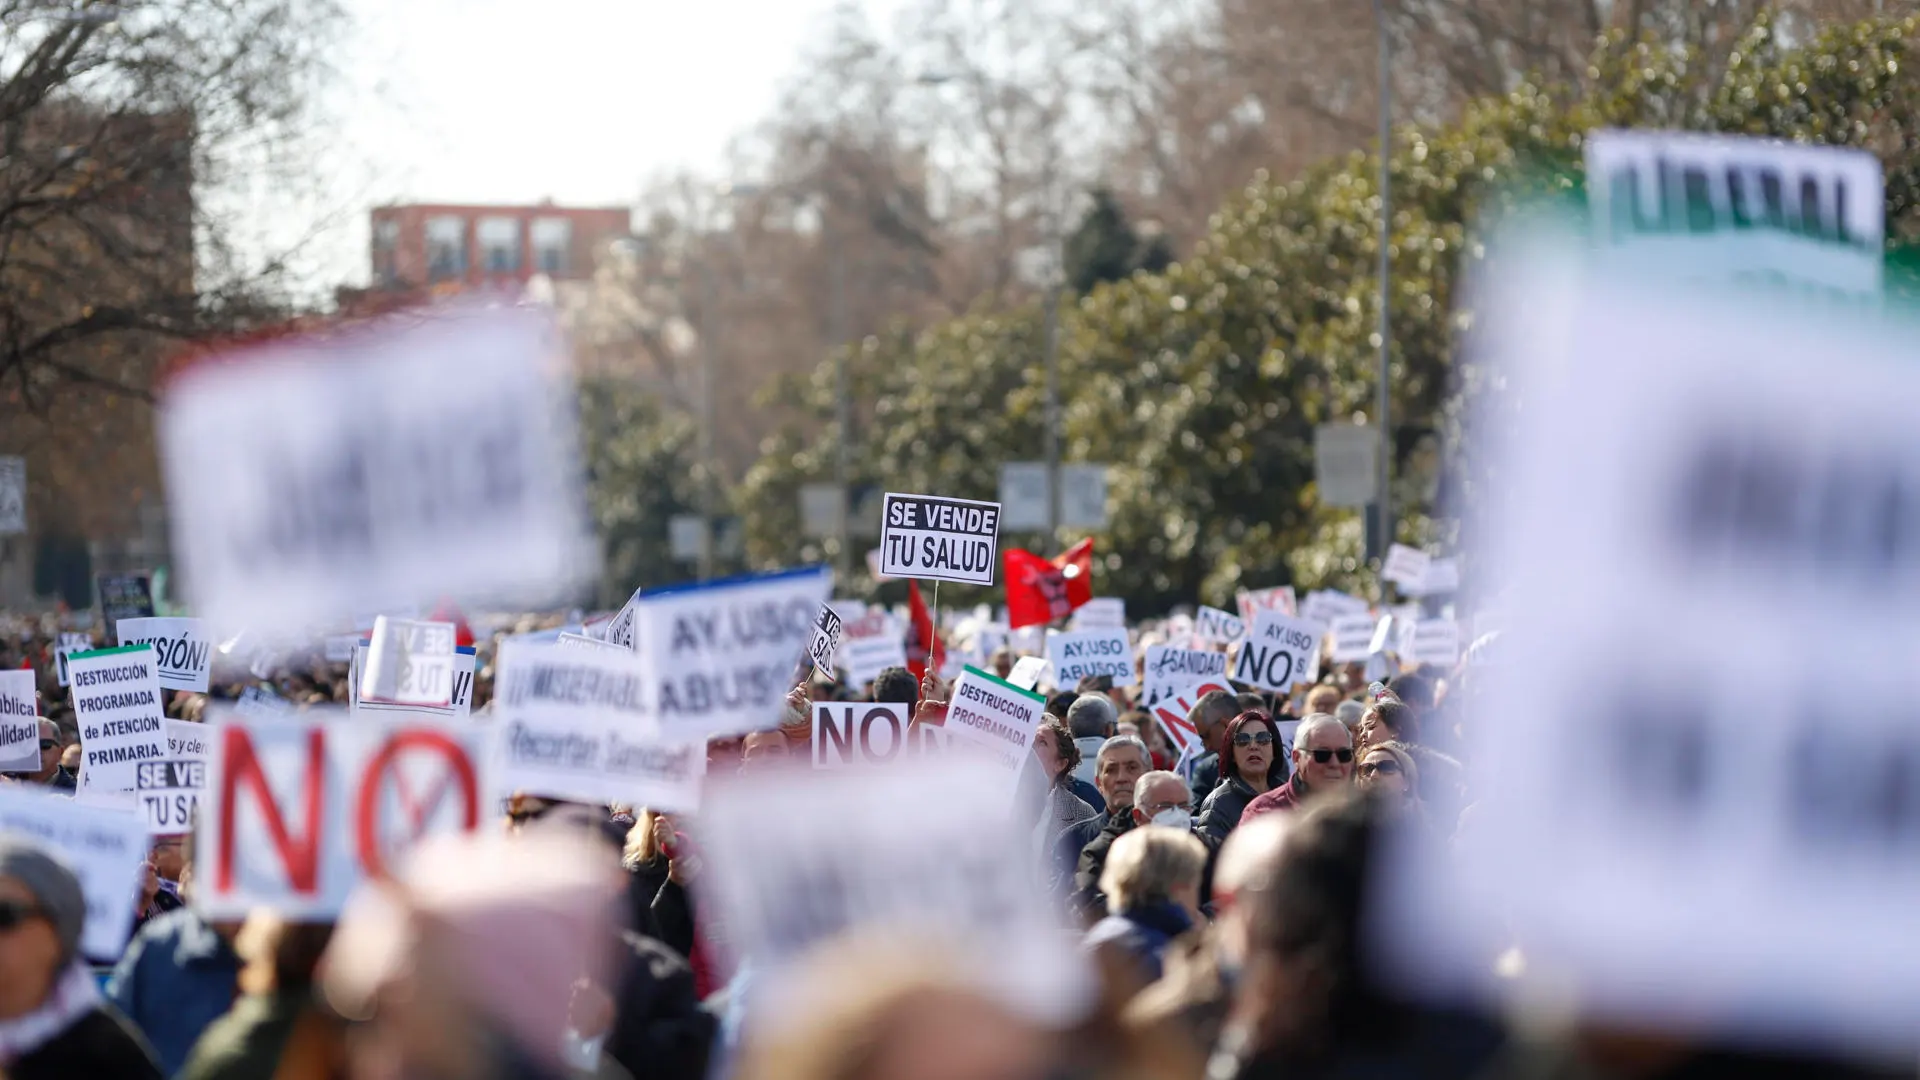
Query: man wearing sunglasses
x=50 y=773
x=1322 y=762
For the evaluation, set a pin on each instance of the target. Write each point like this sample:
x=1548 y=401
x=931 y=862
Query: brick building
x=449 y=248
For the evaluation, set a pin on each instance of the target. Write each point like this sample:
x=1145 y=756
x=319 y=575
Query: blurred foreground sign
x=1727 y=853
x=923 y=850
x=310 y=479
x=297 y=811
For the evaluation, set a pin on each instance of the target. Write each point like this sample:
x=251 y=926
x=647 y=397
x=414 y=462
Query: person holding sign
x=53 y=1024
x=1250 y=766
x=1322 y=763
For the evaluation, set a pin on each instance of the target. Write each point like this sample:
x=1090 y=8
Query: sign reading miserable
x=313 y=479
x=577 y=723
x=722 y=653
x=940 y=539
x=116 y=699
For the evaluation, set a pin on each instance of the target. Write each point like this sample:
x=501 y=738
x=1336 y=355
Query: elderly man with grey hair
x=1121 y=768
x=1092 y=720
x=1322 y=762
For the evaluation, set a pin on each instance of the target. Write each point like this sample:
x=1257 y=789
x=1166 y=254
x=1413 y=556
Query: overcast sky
x=485 y=101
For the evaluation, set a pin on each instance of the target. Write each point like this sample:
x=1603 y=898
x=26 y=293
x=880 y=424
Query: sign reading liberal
x=19 y=723
x=180 y=648
x=1089 y=653
x=116 y=701
x=936 y=538
x=296 y=812
x=995 y=720
x=1280 y=652
x=721 y=654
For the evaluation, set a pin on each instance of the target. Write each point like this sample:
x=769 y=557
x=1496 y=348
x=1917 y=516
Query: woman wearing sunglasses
x=1388 y=769
x=53 y=1022
x=1251 y=764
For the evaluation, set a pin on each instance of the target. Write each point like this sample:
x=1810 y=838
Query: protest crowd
x=333 y=819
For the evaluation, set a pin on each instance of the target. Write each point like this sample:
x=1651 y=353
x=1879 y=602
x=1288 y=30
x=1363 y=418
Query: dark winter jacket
x=100 y=1045
x=659 y=1029
x=1088 y=900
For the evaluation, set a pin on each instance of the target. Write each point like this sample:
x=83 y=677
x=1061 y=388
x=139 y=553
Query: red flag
x=448 y=611
x=925 y=641
x=1042 y=590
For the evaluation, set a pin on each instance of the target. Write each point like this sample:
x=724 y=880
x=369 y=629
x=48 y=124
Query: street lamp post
x=1383 y=499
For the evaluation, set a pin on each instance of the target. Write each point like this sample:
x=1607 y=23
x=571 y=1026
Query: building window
x=500 y=244
x=552 y=241
x=446 y=247
x=386 y=241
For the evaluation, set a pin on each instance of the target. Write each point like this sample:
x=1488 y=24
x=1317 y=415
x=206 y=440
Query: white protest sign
x=1027 y=671
x=103 y=847
x=1442 y=576
x=1436 y=641
x=298 y=811
x=339 y=648
x=1736 y=208
x=255 y=701
x=408 y=663
x=1172 y=713
x=851 y=734
x=1280 y=652
x=1252 y=602
x=932 y=537
x=1325 y=605
x=1086 y=654
x=13 y=495
x=180 y=649
x=1710 y=810
x=575 y=723
x=870 y=645
x=116 y=702
x=19 y=722
x=919 y=848
x=460 y=705
x=1405 y=567
x=169 y=790
x=1352 y=637
x=1100 y=613
x=826 y=639
x=994 y=720
x=721 y=654
x=582 y=641
x=411 y=459
x=1218 y=626
x=1382 y=638
x=69 y=643
x=620 y=629
x=1170 y=670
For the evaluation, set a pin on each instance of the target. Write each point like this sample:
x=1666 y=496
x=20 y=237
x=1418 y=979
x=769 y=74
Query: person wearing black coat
x=659 y=1029
x=53 y=1023
x=1088 y=899
x=1220 y=811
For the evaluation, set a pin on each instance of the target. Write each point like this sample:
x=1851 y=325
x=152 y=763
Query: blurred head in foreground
x=885 y=1008
x=463 y=965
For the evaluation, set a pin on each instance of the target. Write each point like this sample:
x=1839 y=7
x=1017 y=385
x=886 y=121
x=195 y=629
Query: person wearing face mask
x=1152 y=882
x=1251 y=765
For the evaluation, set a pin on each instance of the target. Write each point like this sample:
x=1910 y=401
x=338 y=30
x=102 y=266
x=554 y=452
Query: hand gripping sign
x=940 y=539
x=298 y=811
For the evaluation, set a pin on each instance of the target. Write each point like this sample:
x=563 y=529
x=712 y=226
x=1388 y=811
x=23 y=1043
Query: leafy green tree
x=1104 y=246
x=1202 y=383
x=642 y=469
